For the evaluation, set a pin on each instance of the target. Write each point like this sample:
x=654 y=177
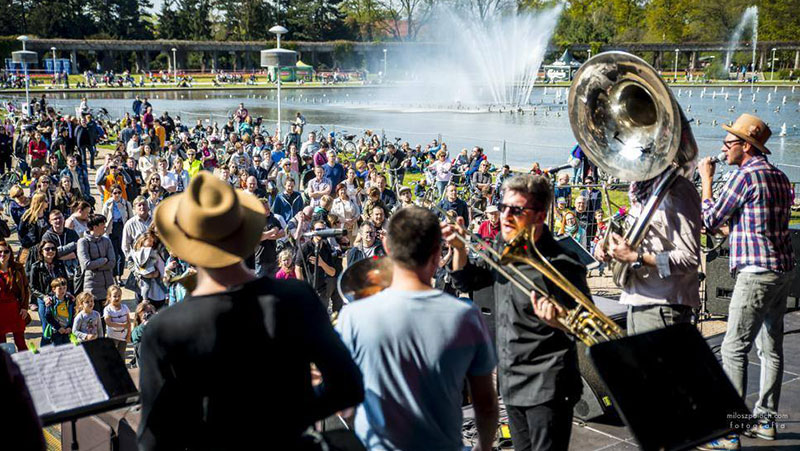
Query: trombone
x=584 y=320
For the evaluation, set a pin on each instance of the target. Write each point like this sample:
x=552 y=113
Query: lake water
x=545 y=136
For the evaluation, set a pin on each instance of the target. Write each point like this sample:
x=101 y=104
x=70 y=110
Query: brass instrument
x=364 y=278
x=584 y=320
x=629 y=124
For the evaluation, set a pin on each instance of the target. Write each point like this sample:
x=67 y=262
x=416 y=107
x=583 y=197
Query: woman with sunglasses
x=117 y=212
x=14 y=297
x=43 y=272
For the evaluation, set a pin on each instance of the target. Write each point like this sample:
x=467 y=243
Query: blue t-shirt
x=277 y=156
x=415 y=349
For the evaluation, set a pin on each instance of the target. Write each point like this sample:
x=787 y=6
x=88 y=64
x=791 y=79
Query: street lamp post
x=590 y=54
x=278 y=31
x=174 y=65
x=384 y=64
x=24 y=39
x=55 y=73
x=675 y=77
x=772 y=66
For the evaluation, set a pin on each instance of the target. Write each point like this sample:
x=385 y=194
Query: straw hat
x=751 y=129
x=210 y=225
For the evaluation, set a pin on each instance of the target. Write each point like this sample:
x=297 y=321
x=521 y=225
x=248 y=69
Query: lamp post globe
x=278 y=31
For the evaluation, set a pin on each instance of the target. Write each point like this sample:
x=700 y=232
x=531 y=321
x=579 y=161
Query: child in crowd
x=117 y=317
x=286 y=263
x=86 y=325
x=175 y=271
x=59 y=313
x=144 y=311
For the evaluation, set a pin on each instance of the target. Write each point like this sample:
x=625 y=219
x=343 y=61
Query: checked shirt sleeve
x=734 y=195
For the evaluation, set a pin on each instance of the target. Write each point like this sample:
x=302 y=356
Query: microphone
x=722 y=158
x=573 y=164
x=325 y=233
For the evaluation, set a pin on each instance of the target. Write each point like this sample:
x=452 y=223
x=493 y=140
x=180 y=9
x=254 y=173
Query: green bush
x=785 y=74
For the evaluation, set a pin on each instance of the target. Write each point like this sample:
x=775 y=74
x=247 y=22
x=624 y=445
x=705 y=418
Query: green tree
x=778 y=20
x=668 y=20
x=368 y=17
x=121 y=19
x=60 y=19
x=316 y=20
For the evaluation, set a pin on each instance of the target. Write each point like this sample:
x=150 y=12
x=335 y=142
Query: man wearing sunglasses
x=755 y=204
x=537 y=359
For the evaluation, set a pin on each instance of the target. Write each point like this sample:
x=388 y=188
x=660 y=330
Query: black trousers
x=544 y=427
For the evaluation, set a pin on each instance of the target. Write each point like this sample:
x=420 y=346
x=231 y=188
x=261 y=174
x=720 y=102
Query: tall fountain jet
x=504 y=53
x=750 y=17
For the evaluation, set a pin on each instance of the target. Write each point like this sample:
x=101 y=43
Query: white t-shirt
x=117 y=316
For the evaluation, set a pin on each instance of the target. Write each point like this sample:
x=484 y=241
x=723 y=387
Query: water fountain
x=500 y=54
x=750 y=17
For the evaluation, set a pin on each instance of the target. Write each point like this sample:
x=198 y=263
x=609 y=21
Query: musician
x=663 y=285
x=537 y=359
x=755 y=203
x=416 y=346
x=202 y=383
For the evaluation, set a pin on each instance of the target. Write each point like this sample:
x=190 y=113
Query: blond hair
x=39 y=205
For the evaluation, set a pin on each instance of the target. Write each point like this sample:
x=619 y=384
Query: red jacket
x=37 y=151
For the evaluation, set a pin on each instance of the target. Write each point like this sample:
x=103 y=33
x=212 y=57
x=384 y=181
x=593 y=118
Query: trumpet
x=584 y=320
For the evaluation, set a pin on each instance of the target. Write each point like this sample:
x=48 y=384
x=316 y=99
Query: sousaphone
x=629 y=124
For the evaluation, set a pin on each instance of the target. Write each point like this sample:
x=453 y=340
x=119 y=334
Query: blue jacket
x=83 y=179
x=476 y=164
x=334 y=173
x=287 y=207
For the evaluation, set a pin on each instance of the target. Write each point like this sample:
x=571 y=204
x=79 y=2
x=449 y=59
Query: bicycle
x=345 y=144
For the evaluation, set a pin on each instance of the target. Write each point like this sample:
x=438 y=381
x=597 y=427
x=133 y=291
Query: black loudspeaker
x=720 y=282
x=595 y=399
x=484 y=300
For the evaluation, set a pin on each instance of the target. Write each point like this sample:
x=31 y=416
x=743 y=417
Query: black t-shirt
x=309 y=250
x=204 y=368
x=266 y=251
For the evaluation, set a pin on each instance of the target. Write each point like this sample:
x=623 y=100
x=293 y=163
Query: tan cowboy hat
x=210 y=224
x=751 y=129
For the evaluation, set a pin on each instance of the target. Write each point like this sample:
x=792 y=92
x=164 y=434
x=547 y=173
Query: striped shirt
x=757 y=201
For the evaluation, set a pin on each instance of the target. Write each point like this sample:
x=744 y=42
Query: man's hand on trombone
x=547 y=310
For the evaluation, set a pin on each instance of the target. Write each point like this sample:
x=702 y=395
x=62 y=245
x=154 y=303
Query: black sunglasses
x=513 y=209
x=729 y=144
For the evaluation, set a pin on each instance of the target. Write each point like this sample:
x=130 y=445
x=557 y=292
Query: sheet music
x=60 y=378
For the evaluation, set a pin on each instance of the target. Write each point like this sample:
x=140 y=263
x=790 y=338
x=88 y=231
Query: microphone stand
x=316 y=265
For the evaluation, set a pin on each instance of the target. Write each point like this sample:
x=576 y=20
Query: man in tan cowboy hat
x=755 y=205
x=203 y=378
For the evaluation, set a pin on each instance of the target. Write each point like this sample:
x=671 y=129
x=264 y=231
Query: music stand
x=668 y=388
x=108 y=369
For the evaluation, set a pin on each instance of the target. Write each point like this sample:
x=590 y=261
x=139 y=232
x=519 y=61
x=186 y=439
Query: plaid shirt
x=757 y=201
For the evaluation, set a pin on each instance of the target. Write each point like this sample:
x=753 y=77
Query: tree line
x=582 y=21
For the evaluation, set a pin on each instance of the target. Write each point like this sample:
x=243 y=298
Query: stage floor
x=597 y=436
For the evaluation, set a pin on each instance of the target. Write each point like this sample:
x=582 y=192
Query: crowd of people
x=228 y=209
x=100 y=228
